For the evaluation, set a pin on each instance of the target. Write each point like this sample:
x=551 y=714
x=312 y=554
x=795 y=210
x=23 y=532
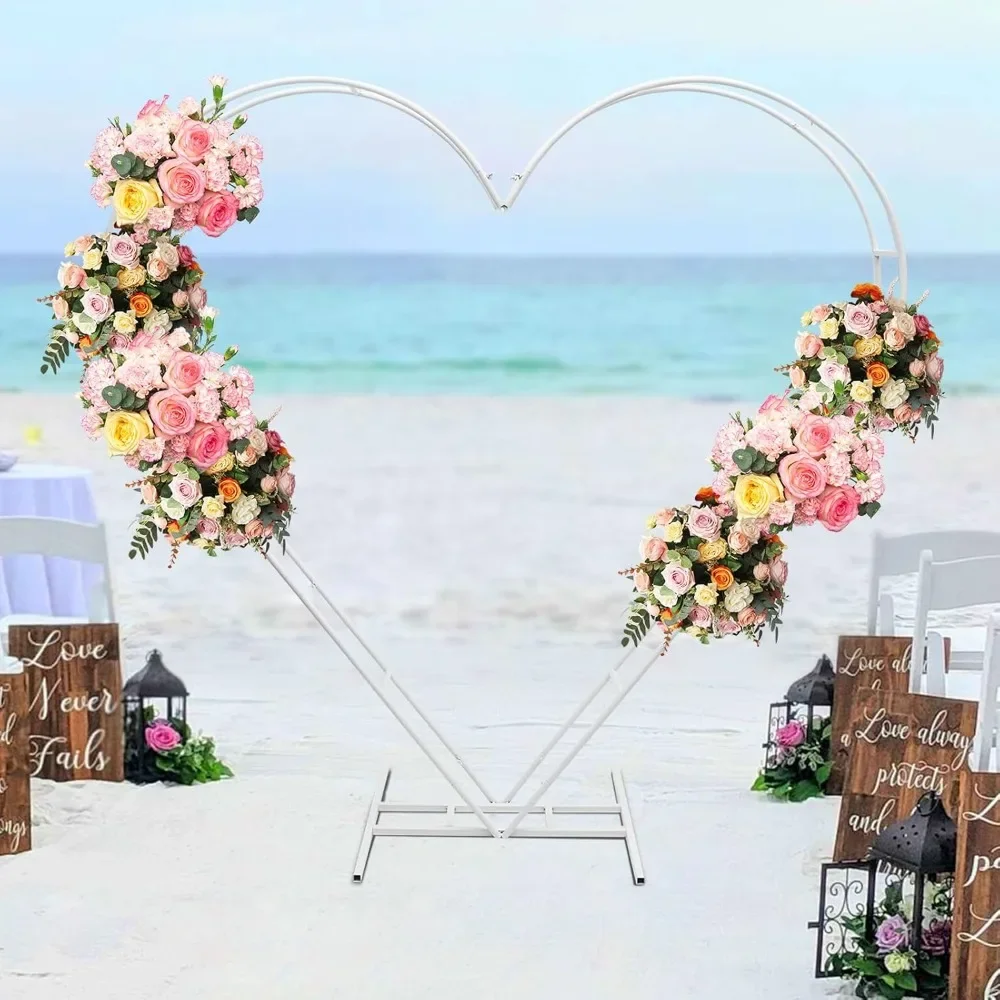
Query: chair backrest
x=54 y=537
x=944 y=586
x=896 y=555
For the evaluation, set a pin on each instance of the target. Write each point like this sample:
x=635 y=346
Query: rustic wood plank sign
x=74 y=700
x=879 y=662
x=15 y=785
x=904 y=746
x=974 y=972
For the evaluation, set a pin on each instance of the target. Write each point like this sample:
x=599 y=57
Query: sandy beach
x=476 y=541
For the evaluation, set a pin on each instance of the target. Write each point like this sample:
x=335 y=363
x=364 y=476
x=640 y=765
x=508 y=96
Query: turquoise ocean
x=691 y=327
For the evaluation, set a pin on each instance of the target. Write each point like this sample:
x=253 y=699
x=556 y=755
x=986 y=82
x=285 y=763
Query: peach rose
x=652 y=549
x=217 y=213
x=808 y=345
x=185 y=372
x=193 y=141
x=171 y=413
x=255 y=529
x=838 y=506
x=798 y=376
x=60 y=308
x=814 y=435
x=181 y=181
x=71 y=275
x=803 y=477
x=208 y=443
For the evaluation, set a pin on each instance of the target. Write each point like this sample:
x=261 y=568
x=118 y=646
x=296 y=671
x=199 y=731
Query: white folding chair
x=947 y=586
x=899 y=555
x=986 y=721
x=53 y=537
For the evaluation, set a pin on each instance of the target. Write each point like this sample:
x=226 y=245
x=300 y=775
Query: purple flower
x=891 y=934
x=936 y=938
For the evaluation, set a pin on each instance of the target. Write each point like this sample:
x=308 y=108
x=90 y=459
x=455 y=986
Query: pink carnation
x=838 y=468
x=92 y=423
x=806 y=511
x=151 y=450
x=730 y=438
x=772 y=438
x=872 y=488
x=207 y=403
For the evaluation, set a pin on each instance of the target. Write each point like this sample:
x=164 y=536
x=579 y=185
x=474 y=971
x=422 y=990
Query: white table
x=32 y=584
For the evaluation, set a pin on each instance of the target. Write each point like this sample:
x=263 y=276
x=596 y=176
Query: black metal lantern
x=152 y=693
x=814 y=690
x=915 y=853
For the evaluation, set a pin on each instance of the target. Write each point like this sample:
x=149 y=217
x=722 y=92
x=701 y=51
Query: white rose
x=258 y=440
x=829 y=328
x=673 y=531
x=245 y=509
x=167 y=252
x=705 y=595
x=896 y=962
x=862 y=392
x=832 y=372
x=213 y=508
x=905 y=323
x=894 y=392
x=737 y=598
x=124 y=322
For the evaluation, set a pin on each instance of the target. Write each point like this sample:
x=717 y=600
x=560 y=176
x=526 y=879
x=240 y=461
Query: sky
x=912 y=84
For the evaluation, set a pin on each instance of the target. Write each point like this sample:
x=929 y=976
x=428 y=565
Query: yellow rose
x=132 y=277
x=133 y=199
x=213 y=507
x=868 y=347
x=710 y=551
x=124 y=430
x=706 y=595
x=807 y=318
x=93 y=259
x=754 y=495
x=674 y=531
x=828 y=329
x=124 y=322
x=224 y=464
x=70 y=249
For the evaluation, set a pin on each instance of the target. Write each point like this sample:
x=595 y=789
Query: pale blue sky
x=914 y=84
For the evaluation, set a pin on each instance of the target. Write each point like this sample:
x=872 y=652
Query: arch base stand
x=623 y=830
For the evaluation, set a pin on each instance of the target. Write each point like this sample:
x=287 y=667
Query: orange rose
x=142 y=304
x=666 y=614
x=229 y=490
x=722 y=577
x=878 y=373
x=84 y=344
x=705 y=494
x=867 y=291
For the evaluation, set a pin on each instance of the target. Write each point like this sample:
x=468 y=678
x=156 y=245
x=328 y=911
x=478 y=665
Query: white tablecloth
x=32 y=585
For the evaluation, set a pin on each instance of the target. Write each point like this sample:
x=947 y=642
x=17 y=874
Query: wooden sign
x=879 y=662
x=74 y=700
x=15 y=785
x=904 y=746
x=974 y=973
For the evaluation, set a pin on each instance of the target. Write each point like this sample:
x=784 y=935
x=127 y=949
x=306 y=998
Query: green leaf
x=760 y=785
x=906 y=981
x=123 y=163
x=744 y=458
x=802 y=790
x=114 y=395
x=823 y=773
x=137 y=169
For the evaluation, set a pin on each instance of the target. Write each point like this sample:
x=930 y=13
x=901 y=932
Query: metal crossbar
x=404 y=708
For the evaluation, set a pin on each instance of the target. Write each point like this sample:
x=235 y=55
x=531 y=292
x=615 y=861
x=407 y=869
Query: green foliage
x=143 y=540
x=637 y=624
x=55 y=354
x=802 y=773
x=194 y=761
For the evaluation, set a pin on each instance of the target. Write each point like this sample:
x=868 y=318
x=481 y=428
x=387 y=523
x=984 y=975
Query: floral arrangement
x=715 y=567
x=179 y=756
x=132 y=304
x=884 y=962
x=801 y=764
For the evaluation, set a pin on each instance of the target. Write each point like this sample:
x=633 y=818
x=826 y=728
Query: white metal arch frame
x=624 y=675
x=254 y=95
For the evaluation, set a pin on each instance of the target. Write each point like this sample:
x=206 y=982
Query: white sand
x=476 y=541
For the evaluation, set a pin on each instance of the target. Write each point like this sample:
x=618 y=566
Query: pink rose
x=234 y=540
x=724 y=625
x=119 y=342
x=286 y=483
x=772 y=404
x=640 y=577
x=762 y=572
x=798 y=376
x=180 y=299
x=186 y=491
x=832 y=372
x=935 y=367
x=217 y=213
x=209 y=442
x=255 y=529
x=820 y=313
x=808 y=345
x=838 y=506
x=815 y=434
x=879 y=307
x=779 y=571
x=71 y=275
x=182 y=182
x=923 y=324
x=705 y=523
x=802 y=476
x=198 y=296
x=148 y=493
x=268 y=484
x=97 y=306
x=185 y=372
x=700 y=616
x=193 y=140
x=860 y=319
x=678 y=578
x=208 y=528
x=142 y=340
x=906 y=414
x=157 y=268
x=60 y=307
x=186 y=255
x=162 y=737
x=171 y=413
x=739 y=540
x=917 y=368
x=747 y=618
x=894 y=337
x=123 y=250
x=652 y=548
x=792 y=735
x=152 y=109
x=662 y=517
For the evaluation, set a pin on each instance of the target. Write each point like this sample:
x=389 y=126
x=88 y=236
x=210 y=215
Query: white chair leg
x=886 y=615
x=936 y=684
x=986 y=719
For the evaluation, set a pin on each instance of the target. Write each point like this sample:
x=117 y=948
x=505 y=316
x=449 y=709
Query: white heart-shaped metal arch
x=240 y=101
